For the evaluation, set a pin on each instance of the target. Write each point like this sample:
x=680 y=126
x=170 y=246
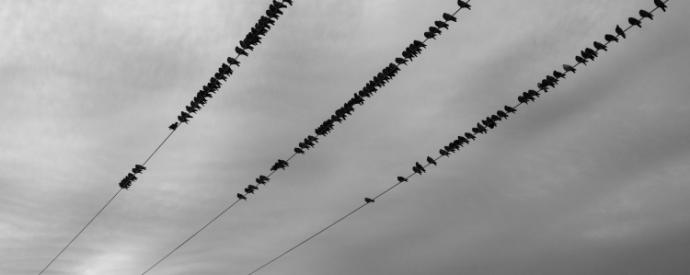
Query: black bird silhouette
x=173 y=126
x=299 y=150
x=419 y=167
x=591 y=52
x=558 y=74
x=443 y=152
x=599 y=46
x=449 y=17
x=369 y=200
x=430 y=35
x=611 y=38
x=464 y=5
x=233 y=61
x=248 y=190
x=509 y=109
x=401 y=61
x=241 y=197
x=501 y=114
x=401 y=179
x=635 y=22
x=431 y=160
x=620 y=31
x=262 y=179
x=241 y=51
x=569 y=68
x=646 y=14
x=660 y=4
x=279 y=4
x=434 y=30
x=469 y=135
x=288 y=1
x=581 y=59
x=138 y=168
x=441 y=25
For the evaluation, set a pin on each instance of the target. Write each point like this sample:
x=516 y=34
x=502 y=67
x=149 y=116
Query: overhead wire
x=379 y=195
x=127 y=181
x=267 y=177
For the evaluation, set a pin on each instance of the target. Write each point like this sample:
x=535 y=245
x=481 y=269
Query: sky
x=590 y=179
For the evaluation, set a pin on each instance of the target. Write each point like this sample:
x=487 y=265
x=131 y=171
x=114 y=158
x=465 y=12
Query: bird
x=611 y=38
x=620 y=31
x=288 y=1
x=434 y=30
x=581 y=59
x=501 y=114
x=233 y=61
x=401 y=61
x=248 y=190
x=241 y=51
x=509 y=109
x=599 y=46
x=173 y=126
x=241 y=197
x=660 y=4
x=646 y=14
x=635 y=22
x=558 y=74
x=443 y=152
x=138 y=168
x=569 y=68
x=449 y=17
x=469 y=135
x=401 y=179
x=419 y=168
x=431 y=161
x=369 y=200
x=430 y=35
x=464 y=5
x=441 y=25
x=262 y=179
x=299 y=150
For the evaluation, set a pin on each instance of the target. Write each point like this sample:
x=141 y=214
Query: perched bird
x=241 y=51
x=435 y=30
x=443 y=152
x=660 y=4
x=241 y=197
x=569 y=68
x=419 y=167
x=401 y=179
x=635 y=22
x=173 y=126
x=646 y=14
x=558 y=74
x=299 y=150
x=431 y=161
x=233 y=61
x=500 y=113
x=599 y=46
x=401 y=61
x=430 y=35
x=620 y=31
x=581 y=59
x=248 y=190
x=469 y=135
x=262 y=179
x=464 y=5
x=441 y=25
x=449 y=17
x=288 y=1
x=368 y=200
x=138 y=168
x=611 y=38
x=509 y=109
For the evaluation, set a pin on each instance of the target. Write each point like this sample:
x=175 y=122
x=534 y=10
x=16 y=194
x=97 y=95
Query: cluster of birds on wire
x=252 y=39
x=490 y=122
x=274 y=11
x=370 y=88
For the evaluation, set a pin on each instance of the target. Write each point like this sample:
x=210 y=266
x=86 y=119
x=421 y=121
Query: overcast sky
x=590 y=179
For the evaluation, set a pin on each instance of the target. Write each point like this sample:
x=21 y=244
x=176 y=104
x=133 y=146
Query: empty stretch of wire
x=489 y=123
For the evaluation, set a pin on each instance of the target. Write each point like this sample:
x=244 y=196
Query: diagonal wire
x=360 y=207
x=269 y=176
x=146 y=161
